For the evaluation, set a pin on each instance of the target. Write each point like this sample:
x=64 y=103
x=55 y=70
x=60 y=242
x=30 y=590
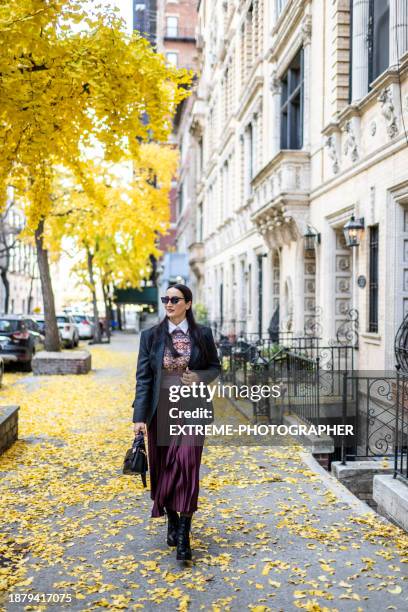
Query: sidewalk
x=273 y=532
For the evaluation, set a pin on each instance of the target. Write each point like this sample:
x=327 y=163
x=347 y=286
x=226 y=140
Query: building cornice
x=388 y=150
x=286 y=25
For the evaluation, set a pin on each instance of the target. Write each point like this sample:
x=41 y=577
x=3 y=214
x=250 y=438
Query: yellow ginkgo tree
x=113 y=223
x=70 y=82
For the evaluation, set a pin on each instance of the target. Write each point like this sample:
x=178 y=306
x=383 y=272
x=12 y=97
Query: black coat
x=149 y=368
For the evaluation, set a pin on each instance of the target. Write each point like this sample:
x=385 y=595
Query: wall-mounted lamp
x=311 y=238
x=353 y=231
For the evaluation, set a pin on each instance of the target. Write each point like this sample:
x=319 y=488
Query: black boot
x=183 y=539
x=172 y=527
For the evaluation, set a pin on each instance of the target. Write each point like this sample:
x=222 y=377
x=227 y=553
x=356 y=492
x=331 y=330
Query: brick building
x=177 y=41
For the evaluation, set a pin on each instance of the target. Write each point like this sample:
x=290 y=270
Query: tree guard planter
x=64 y=362
x=8 y=426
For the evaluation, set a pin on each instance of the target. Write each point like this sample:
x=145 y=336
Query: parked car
x=40 y=320
x=85 y=325
x=68 y=330
x=20 y=339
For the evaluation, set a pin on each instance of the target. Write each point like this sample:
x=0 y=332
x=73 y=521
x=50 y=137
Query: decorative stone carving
x=307 y=30
x=373 y=128
x=275 y=84
x=196 y=128
x=350 y=142
x=388 y=111
x=332 y=152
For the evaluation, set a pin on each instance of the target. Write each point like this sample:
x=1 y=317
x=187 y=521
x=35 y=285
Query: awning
x=146 y=295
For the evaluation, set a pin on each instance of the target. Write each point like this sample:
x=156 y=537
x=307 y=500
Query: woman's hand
x=139 y=427
x=189 y=377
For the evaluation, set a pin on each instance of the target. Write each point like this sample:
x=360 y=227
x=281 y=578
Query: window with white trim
x=172 y=26
x=172 y=58
x=291 y=113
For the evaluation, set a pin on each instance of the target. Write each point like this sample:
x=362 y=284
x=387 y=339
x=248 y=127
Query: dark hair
x=194 y=330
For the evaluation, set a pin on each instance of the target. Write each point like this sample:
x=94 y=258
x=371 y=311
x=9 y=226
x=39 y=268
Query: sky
x=125 y=7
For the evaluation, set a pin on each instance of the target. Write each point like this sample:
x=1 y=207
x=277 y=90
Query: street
x=273 y=530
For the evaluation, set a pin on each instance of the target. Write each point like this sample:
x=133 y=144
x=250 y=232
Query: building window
x=260 y=294
x=370 y=44
x=200 y=220
x=221 y=297
x=292 y=105
x=249 y=295
x=280 y=5
x=373 y=282
x=139 y=20
x=250 y=151
x=172 y=27
x=378 y=38
x=200 y=156
x=180 y=199
x=172 y=58
x=249 y=159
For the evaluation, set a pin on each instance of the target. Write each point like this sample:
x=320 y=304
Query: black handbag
x=136 y=458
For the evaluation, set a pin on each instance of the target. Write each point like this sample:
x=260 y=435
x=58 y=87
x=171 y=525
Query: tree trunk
x=5 y=280
x=107 y=311
x=52 y=338
x=97 y=330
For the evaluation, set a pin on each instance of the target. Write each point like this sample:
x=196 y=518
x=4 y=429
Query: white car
x=68 y=330
x=84 y=325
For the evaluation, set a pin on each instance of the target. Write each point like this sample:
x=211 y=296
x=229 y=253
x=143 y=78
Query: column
x=359 y=60
x=398 y=30
x=252 y=293
x=274 y=113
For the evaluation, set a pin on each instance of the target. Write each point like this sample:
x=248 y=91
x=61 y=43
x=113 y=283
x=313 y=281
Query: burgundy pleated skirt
x=174 y=469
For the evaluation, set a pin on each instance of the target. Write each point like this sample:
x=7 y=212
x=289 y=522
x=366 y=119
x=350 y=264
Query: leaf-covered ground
x=269 y=534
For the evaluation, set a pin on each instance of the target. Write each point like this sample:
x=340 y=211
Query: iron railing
x=302 y=383
x=376 y=404
x=401 y=427
x=310 y=375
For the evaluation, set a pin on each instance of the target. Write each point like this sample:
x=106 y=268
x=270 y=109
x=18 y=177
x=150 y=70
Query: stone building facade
x=19 y=274
x=299 y=123
x=176 y=37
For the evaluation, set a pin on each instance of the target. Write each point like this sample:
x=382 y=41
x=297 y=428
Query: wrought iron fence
x=376 y=404
x=309 y=371
x=302 y=381
x=401 y=427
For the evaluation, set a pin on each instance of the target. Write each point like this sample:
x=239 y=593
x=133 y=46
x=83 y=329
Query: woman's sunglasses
x=172 y=300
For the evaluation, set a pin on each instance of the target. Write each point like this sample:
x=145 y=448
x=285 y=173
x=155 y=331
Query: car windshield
x=8 y=325
x=79 y=318
x=62 y=319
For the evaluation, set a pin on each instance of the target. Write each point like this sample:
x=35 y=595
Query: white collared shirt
x=183 y=326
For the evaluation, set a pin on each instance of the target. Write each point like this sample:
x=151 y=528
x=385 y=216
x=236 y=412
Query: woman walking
x=177 y=351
